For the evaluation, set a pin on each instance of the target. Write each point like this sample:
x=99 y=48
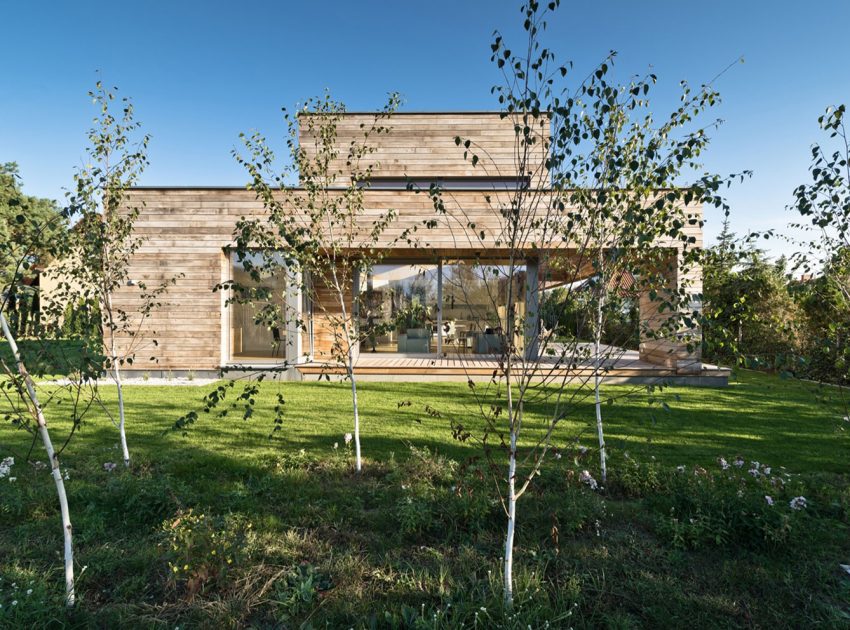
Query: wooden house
x=452 y=321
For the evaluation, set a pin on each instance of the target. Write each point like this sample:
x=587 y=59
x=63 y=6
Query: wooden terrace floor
x=626 y=367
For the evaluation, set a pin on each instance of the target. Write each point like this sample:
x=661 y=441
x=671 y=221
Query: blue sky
x=201 y=72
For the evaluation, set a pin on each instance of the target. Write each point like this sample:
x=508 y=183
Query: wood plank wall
x=423 y=145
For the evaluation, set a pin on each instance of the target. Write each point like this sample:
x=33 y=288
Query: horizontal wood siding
x=423 y=145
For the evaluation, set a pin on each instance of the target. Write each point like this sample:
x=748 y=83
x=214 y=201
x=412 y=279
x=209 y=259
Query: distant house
x=189 y=231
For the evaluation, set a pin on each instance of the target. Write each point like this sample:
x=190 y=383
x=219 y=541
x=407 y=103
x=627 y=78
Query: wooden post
x=440 y=307
x=532 y=310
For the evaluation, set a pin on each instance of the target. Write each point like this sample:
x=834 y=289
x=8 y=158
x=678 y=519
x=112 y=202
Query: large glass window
x=477 y=301
x=258 y=313
x=398 y=309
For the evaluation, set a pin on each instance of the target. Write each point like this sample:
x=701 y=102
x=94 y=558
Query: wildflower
x=699 y=470
x=754 y=472
x=798 y=503
x=14 y=602
x=739 y=461
x=29 y=592
x=583 y=449
x=769 y=499
x=109 y=466
x=13 y=478
x=348 y=437
x=586 y=477
x=766 y=470
x=755 y=465
x=680 y=468
x=67 y=475
x=336 y=445
x=5 y=465
x=724 y=465
x=557 y=456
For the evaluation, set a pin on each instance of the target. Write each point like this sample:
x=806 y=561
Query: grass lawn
x=227 y=527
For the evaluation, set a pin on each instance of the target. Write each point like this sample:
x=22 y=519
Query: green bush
x=737 y=506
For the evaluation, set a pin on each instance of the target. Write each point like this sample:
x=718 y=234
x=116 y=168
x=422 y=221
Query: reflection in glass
x=258 y=319
x=398 y=309
x=476 y=314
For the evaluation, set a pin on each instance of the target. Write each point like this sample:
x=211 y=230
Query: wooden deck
x=626 y=367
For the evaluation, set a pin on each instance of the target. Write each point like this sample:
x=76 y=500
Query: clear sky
x=201 y=72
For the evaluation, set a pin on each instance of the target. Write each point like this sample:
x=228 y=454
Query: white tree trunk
x=116 y=374
x=597 y=381
x=54 y=463
x=358 y=465
x=508 y=577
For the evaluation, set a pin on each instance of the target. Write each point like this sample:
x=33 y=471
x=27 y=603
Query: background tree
x=31 y=222
x=750 y=315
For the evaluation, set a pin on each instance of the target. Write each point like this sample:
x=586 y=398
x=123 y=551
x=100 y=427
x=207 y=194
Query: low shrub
x=200 y=550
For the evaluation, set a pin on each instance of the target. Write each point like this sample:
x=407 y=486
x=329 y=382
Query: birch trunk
x=597 y=381
x=514 y=424
x=116 y=375
x=54 y=462
x=508 y=577
x=357 y=462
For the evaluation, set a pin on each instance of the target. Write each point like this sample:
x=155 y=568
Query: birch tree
x=97 y=262
x=318 y=235
x=18 y=385
x=598 y=183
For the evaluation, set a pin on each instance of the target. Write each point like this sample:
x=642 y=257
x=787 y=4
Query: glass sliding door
x=483 y=306
x=398 y=309
x=258 y=320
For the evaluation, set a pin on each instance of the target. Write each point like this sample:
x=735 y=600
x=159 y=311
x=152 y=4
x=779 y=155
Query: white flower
x=29 y=592
x=766 y=470
x=798 y=503
x=846 y=418
x=557 y=456
x=583 y=449
x=680 y=468
x=13 y=478
x=586 y=477
x=348 y=437
x=724 y=465
x=67 y=475
x=769 y=499
x=6 y=466
x=336 y=445
x=754 y=472
x=14 y=602
x=109 y=466
x=739 y=461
